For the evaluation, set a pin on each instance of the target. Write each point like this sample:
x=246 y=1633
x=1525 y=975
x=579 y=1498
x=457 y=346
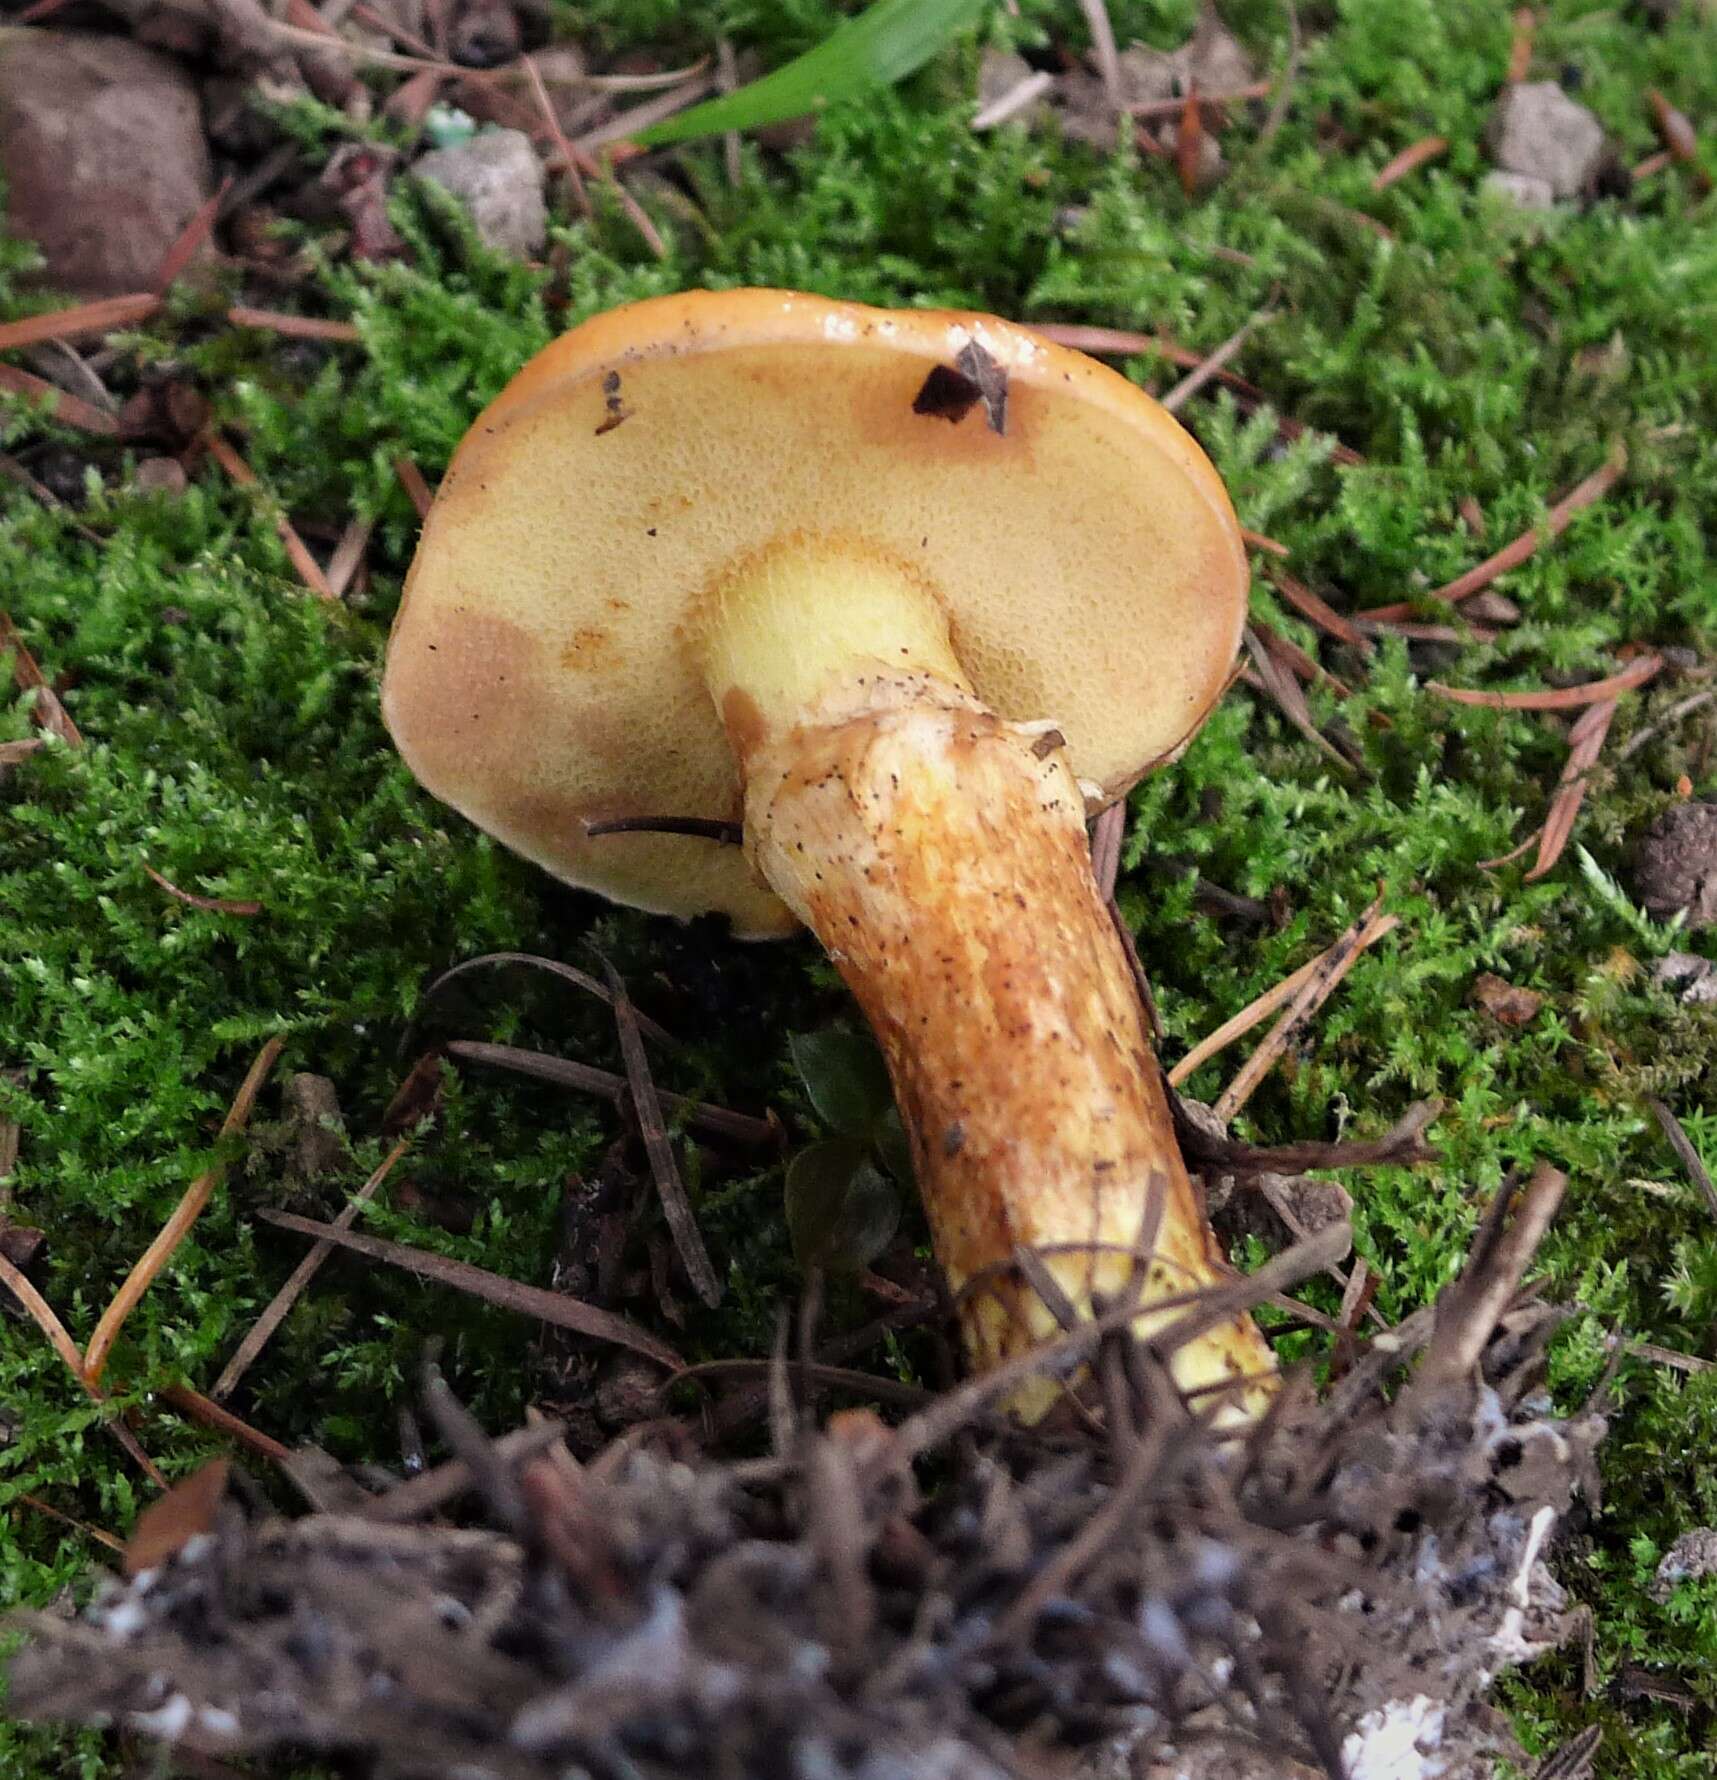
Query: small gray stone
x=1690 y=1559
x=499 y=180
x=1521 y=190
x=102 y=155
x=1538 y=130
x=1692 y=978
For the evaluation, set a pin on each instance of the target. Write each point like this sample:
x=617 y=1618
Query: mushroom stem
x=939 y=853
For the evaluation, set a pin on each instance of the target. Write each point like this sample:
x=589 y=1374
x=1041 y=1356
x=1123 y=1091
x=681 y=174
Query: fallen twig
x=79 y=322
x=1684 y=707
x=1201 y=374
x=240 y=472
x=1332 y=966
x=47 y=711
x=1409 y=160
x=69 y=1520
x=1468 y=1312
x=261 y=1332
x=198 y=1408
x=1128 y=342
x=296 y=327
x=588 y=1079
x=1518 y=550
x=60 y=405
x=217 y=905
x=1679 y=137
x=1686 y=1154
x=178 y=1226
x=417 y=490
x=1520 y=46
x=1010 y=104
x=1561 y=698
x=563 y=1311
x=1318 y=611
x=647 y=1105
x=42 y=1314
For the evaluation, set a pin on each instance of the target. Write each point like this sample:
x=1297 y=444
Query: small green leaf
x=845 y=1078
x=842 y=1211
x=885 y=43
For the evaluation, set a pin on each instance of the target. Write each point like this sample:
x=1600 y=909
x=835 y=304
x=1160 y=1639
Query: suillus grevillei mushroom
x=909 y=596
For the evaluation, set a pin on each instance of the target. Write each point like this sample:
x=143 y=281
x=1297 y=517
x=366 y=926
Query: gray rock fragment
x=1537 y=130
x=497 y=177
x=102 y=154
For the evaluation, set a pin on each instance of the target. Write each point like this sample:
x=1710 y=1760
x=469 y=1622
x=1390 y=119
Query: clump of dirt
x=1676 y=870
x=953 y=1597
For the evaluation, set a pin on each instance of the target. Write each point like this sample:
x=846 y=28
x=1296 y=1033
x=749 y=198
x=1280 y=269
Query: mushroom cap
x=542 y=672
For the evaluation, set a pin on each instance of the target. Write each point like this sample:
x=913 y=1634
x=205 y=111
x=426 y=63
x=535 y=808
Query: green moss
x=234 y=745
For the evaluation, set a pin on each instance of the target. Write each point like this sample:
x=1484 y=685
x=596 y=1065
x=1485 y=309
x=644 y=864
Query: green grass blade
x=885 y=43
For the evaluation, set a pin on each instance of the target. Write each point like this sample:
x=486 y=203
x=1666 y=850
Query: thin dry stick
x=1310 y=606
x=1243 y=1022
x=588 y=1079
x=348 y=554
x=41 y=1313
x=262 y=1330
x=1520 y=47
x=1561 y=698
x=198 y=1408
x=60 y=405
x=1113 y=342
x=566 y=973
x=1467 y=1313
x=1284 y=689
x=670 y=1189
x=79 y=322
x=507 y=1294
x=1410 y=160
x=1103 y=48
x=1587 y=739
x=1668 y=1356
x=551 y=122
x=1201 y=374
x=296 y=549
x=67 y=1520
x=417 y=490
x=1149 y=109
x=178 y=1226
x=190 y=240
x=1686 y=1154
x=419 y=1497
x=1258 y=541
x=1518 y=550
x=296 y=327
x=1332 y=967
x=1681 y=708
x=48 y=712
x=727 y=80
x=217 y=905
x=640 y=117
x=1015 y=100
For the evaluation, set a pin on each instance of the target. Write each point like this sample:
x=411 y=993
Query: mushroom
x=908 y=596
